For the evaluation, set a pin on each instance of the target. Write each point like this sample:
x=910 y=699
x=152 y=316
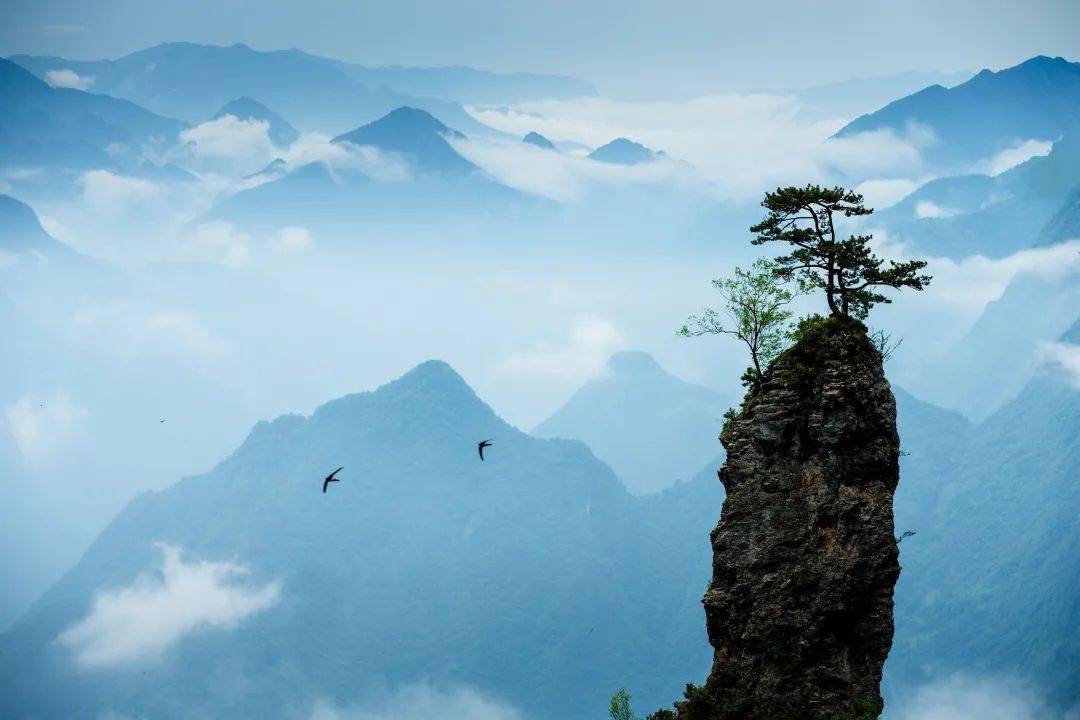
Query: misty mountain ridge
x=172 y=78
x=1037 y=99
x=651 y=427
x=622 y=151
x=991 y=215
x=52 y=126
x=419 y=530
x=980 y=373
x=469 y=85
x=419 y=186
x=192 y=81
x=993 y=517
x=415 y=135
x=535 y=138
x=281 y=133
x=419 y=563
x=23 y=238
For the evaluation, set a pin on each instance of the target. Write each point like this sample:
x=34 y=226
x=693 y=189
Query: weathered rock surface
x=800 y=608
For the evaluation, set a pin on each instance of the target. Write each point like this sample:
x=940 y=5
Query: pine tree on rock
x=851 y=275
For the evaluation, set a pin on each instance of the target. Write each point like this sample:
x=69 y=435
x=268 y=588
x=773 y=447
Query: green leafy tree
x=620 y=706
x=845 y=268
x=755 y=311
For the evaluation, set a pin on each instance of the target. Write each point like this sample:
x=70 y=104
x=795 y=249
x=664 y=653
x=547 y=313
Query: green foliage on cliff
x=845 y=268
x=755 y=306
x=620 y=706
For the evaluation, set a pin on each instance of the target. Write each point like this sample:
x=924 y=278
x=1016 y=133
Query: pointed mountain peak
x=633 y=362
x=431 y=399
x=244 y=108
x=416 y=135
x=434 y=372
x=405 y=120
x=248 y=109
x=15 y=79
x=622 y=151
x=535 y=138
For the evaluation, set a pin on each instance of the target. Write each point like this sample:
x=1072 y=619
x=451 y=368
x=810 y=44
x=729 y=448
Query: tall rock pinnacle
x=800 y=608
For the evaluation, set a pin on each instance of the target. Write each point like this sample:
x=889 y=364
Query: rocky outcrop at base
x=800 y=608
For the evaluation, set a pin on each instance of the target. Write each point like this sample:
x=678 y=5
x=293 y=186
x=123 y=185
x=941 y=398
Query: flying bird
x=480 y=446
x=160 y=422
x=330 y=478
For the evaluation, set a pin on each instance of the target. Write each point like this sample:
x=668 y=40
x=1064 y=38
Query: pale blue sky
x=639 y=47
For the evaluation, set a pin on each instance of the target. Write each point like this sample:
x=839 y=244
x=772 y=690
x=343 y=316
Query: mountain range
x=1038 y=99
x=652 y=428
x=469 y=85
x=47 y=126
x=991 y=215
x=534 y=575
x=191 y=81
x=989 y=581
x=535 y=570
x=402 y=174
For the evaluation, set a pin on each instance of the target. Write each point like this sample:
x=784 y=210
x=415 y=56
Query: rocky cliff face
x=800 y=608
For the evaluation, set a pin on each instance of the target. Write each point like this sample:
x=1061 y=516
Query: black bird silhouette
x=480 y=446
x=160 y=421
x=330 y=478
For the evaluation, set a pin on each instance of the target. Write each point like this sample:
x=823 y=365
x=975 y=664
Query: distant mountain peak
x=436 y=372
x=535 y=138
x=623 y=151
x=986 y=114
x=415 y=134
x=249 y=109
x=633 y=361
x=414 y=120
x=651 y=427
x=432 y=379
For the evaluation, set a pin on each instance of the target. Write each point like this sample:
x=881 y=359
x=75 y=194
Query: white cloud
x=184 y=330
x=1011 y=157
x=40 y=425
x=929 y=209
x=1064 y=355
x=141 y=621
x=591 y=341
x=969 y=284
x=68 y=79
x=965 y=698
x=218 y=241
x=419 y=702
x=123 y=328
x=110 y=194
x=319 y=148
x=743 y=144
x=880 y=194
x=232 y=138
x=291 y=241
x=558 y=176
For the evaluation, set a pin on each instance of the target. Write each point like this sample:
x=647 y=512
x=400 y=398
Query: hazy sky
x=679 y=47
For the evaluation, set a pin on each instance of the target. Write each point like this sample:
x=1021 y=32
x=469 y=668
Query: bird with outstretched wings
x=480 y=447
x=330 y=478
